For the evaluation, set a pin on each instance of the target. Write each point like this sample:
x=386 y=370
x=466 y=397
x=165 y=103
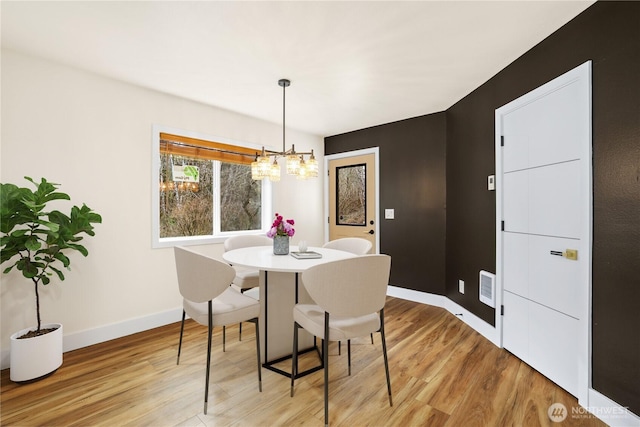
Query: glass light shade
x=274 y=171
x=255 y=171
x=264 y=167
x=293 y=164
x=312 y=167
x=302 y=170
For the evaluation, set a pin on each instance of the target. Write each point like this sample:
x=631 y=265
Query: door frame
x=376 y=154
x=582 y=75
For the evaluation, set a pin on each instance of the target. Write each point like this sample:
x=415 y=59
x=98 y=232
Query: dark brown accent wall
x=608 y=34
x=412 y=181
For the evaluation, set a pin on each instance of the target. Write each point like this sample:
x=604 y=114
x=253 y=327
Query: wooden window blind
x=205 y=150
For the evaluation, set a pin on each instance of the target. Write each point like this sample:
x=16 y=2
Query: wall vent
x=487 y=290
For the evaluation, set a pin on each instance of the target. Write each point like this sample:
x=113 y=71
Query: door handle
x=571 y=254
x=369 y=232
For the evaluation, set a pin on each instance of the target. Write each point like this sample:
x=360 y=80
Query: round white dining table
x=280 y=290
x=262 y=258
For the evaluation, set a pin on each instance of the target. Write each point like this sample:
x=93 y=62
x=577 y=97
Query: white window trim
x=166 y=242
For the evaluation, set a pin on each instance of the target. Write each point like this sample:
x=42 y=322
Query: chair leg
x=224 y=338
x=325 y=351
x=181 y=332
x=242 y=291
x=294 y=356
x=257 y=323
x=372 y=338
x=206 y=386
x=339 y=348
x=349 y=355
x=384 y=352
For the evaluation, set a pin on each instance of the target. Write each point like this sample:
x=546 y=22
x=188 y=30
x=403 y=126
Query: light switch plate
x=389 y=214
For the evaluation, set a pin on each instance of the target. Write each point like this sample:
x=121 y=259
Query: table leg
x=277 y=299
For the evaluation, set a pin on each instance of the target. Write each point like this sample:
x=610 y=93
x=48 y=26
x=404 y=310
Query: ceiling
x=352 y=64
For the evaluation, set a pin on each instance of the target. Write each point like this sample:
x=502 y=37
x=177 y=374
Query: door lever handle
x=369 y=232
x=571 y=254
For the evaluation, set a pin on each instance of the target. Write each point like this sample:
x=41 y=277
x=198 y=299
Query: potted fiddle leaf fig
x=36 y=241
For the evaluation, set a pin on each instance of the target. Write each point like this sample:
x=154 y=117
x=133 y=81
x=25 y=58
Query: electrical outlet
x=461 y=286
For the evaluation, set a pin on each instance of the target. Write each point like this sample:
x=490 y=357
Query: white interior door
x=543 y=168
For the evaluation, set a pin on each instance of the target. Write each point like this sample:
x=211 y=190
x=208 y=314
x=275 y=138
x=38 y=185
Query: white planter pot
x=35 y=357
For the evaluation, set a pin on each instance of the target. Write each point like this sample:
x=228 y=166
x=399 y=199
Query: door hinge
x=502 y=140
x=502 y=310
x=328 y=220
x=502 y=225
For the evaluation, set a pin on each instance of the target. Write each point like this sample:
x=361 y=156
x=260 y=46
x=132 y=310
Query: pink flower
x=281 y=227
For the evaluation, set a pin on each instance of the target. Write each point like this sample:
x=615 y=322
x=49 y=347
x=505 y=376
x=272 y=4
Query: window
x=351 y=195
x=203 y=190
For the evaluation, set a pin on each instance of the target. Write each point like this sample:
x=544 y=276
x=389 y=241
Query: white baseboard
x=608 y=411
x=89 y=337
x=416 y=296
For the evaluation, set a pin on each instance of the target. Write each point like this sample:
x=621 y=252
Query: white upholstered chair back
x=355 y=245
x=350 y=288
x=201 y=278
x=246 y=241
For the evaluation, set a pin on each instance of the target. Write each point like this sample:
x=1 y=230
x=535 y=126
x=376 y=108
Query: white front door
x=544 y=198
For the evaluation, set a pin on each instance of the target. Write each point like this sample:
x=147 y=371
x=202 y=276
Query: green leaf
x=94 y=218
x=33 y=243
x=29 y=270
x=19 y=233
x=8 y=252
x=80 y=249
x=53 y=227
x=58 y=272
x=62 y=258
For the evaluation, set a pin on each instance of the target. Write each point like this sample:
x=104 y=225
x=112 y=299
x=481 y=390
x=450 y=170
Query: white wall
x=93 y=136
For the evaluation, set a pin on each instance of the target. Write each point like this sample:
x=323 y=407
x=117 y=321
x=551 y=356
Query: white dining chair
x=246 y=278
x=350 y=296
x=209 y=300
x=355 y=245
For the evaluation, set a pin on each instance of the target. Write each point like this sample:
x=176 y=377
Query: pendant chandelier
x=266 y=164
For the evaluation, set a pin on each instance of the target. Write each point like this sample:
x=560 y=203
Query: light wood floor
x=443 y=373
